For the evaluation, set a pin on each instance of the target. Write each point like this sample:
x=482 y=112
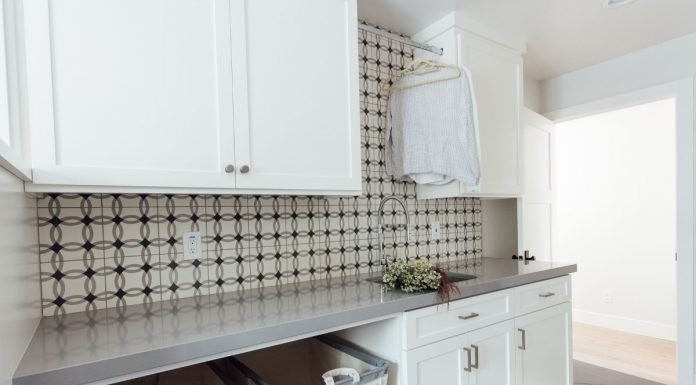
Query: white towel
x=432 y=130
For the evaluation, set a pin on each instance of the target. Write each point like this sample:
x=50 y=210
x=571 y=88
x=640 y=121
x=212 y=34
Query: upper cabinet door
x=14 y=146
x=497 y=77
x=296 y=95
x=130 y=92
x=496 y=72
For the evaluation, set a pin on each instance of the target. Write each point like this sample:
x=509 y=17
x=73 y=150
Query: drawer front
x=427 y=325
x=540 y=295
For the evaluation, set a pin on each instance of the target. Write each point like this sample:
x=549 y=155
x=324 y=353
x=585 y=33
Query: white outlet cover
x=192 y=245
x=435 y=231
x=411 y=235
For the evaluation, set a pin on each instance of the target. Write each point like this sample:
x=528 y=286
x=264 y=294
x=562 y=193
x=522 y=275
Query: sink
x=454 y=277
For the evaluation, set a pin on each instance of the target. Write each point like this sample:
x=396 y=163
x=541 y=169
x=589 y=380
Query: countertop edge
x=211 y=348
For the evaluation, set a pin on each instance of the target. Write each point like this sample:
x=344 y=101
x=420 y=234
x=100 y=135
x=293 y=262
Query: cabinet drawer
x=540 y=295
x=427 y=325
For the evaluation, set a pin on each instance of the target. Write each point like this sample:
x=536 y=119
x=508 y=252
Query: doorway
x=616 y=218
x=622 y=205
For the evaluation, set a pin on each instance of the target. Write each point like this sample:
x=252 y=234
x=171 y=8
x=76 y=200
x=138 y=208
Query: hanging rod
x=399 y=38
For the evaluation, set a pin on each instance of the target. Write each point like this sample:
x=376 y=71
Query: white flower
x=415 y=275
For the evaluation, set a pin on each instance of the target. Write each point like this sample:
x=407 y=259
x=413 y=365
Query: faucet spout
x=380 y=231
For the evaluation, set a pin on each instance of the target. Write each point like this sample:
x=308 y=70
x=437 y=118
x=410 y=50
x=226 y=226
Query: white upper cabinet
x=14 y=146
x=497 y=76
x=181 y=95
x=496 y=72
x=301 y=71
x=134 y=92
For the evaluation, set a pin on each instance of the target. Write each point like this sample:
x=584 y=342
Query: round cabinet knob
x=244 y=169
x=229 y=168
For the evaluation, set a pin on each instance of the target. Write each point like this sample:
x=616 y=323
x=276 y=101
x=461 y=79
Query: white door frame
x=683 y=91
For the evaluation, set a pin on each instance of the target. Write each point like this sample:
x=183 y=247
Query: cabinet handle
x=244 y=169
x=475 y=365
x=547 y=294
x=470 y=316
x=468 y=360
x=229 y=168
x=524 y=339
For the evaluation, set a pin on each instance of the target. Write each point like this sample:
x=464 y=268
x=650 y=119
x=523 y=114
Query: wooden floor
x=640 y=356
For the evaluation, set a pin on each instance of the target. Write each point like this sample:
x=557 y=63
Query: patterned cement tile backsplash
x=112 y=250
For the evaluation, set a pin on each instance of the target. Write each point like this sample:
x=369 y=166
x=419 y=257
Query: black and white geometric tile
x=113 y=250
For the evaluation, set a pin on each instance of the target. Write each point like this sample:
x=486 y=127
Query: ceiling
x=562 y=35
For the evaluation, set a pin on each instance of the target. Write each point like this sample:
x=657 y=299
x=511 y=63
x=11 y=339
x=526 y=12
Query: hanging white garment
x=432 y=128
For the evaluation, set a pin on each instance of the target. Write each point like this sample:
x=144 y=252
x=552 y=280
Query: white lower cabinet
x=544 y=355
x=493 y=355
x=439 y=363
x=531 y=347
x=485 y=356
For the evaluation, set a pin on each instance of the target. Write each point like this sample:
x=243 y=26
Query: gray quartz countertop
x=106 y=344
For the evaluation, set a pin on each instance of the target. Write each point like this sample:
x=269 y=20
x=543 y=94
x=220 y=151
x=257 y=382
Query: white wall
x=532 y=94
x=616 y=202
x=499 y=227
x=660 y=64
x=19 y=273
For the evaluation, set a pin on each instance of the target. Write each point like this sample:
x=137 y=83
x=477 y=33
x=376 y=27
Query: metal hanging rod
x=399 y=38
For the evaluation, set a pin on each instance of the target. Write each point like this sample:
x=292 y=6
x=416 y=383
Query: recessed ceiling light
x=616 y=3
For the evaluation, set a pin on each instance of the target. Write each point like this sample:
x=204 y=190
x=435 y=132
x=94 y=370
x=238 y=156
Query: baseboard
x=629 y=325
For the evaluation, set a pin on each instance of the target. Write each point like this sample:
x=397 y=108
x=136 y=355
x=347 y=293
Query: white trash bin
x=312 y=361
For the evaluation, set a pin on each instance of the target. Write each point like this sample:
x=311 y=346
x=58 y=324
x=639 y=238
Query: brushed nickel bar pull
x=524 y=339
x=547 y=294
x=475 y=365
x=468 y=360
x=470 y=316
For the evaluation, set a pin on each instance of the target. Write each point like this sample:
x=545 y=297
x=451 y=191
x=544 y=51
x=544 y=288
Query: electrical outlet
x=412 y=235
x=607 y=297
x=192 y=245
x=435 y=231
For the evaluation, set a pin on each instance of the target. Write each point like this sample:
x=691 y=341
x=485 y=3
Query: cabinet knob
x=244 y=169
x=229 y=168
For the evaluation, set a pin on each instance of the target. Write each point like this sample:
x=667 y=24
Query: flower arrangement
x=418 y=275
x=414 y=275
